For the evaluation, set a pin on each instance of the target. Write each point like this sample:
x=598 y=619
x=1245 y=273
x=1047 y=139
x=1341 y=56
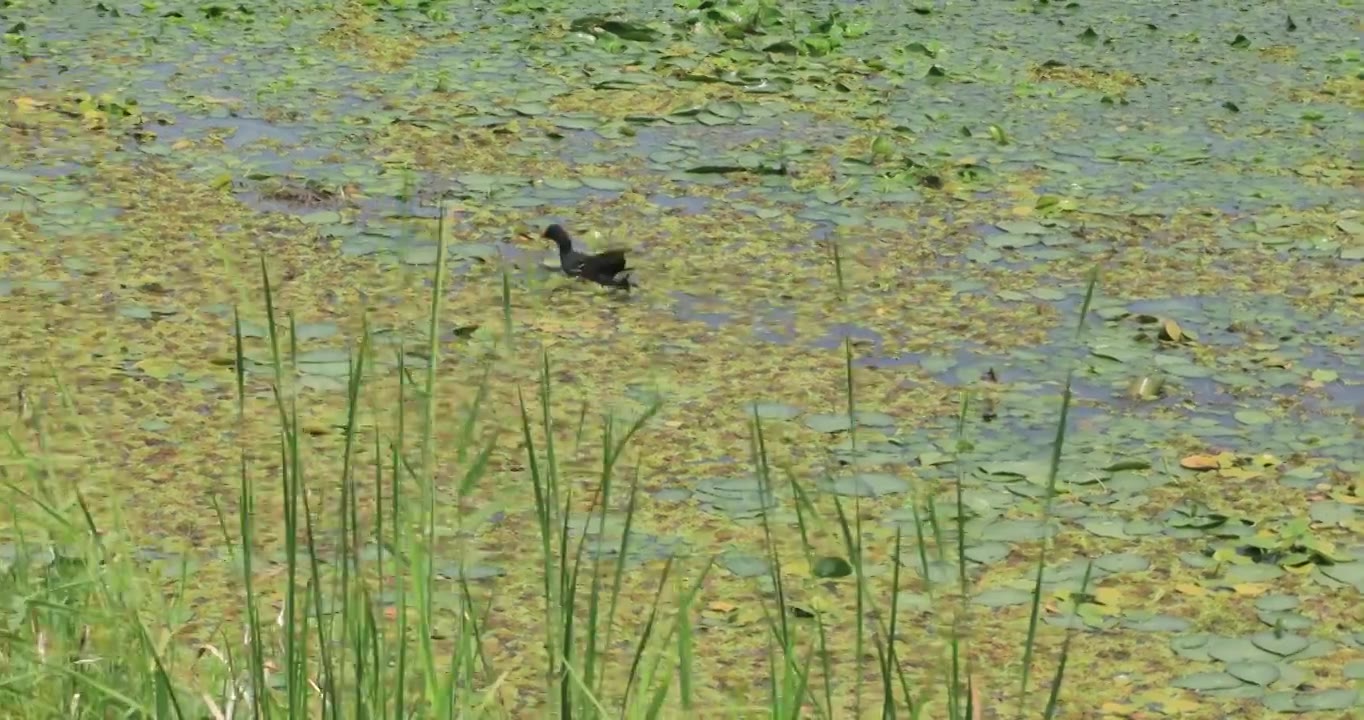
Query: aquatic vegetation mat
x=844 y=219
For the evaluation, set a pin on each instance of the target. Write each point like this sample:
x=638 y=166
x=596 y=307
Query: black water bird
x=604 y=268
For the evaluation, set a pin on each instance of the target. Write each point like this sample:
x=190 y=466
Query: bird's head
x=559 y=235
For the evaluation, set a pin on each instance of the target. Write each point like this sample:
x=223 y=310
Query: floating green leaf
x=828 y=423
x=1281 y=644
x=1002 y=597
x=1256 y=673
x=866 y=485
x=774 y=410
x=744 y=565
x=831 y=567
x=1207 y=681
x=1018 y=530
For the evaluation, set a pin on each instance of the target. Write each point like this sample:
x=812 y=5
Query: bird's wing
x=571 y=262
x=608 y=263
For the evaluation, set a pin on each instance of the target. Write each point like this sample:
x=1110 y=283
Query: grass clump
x=357 y=622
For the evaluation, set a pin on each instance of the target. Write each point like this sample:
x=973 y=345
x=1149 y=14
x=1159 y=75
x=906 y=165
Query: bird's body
x=604 y=268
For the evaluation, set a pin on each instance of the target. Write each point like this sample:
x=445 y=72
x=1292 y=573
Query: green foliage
x=796 y=527
x=77 y=643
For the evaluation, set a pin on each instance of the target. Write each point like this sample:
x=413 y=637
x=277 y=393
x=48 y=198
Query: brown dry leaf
x=1199 y=462
x=1110 y=596
x=1122 y=710
x=26 y=103
x=1170 y=331
x=1192 y=589
x=1250 y=589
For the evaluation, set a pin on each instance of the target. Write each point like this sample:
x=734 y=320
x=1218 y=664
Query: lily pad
x=1253 y=417
x=1337 y=699
x=828 y=423
x=1281 y=644
x=1257 y=673
x=474 y=251
x=1122 y=562
x=744 y=565
x=1206 y=681
x=1002 y=597
x=1011 y=241
x=1350 y=573
x=866 y=485
x=1018 y=530
x=471 y=571
x=988 y=552
x=672 y=495
x=598 y=183
x=1277 y=603
x=419 y=255
x=315 y=331
x=1157 y=623
x=1022 y=227
x=774 y=410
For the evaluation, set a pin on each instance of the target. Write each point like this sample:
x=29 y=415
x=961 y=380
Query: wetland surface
x=970 y=162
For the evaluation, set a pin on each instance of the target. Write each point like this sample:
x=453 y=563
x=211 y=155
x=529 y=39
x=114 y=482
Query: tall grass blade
x=1058 y=444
